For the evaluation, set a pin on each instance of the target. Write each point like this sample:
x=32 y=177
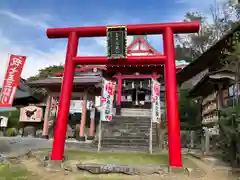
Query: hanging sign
x=3 y=121
x=76 y=106
x=107 y=100
x=11 y=80
x=156 y=106
x=117 y=42
x=31 y=114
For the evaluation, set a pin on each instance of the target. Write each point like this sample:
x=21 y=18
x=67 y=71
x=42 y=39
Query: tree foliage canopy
x=46 y=72
x=224 y=16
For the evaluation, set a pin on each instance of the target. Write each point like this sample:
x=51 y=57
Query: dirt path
x=212 y=172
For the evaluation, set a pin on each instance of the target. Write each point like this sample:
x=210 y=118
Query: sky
x=23 y=25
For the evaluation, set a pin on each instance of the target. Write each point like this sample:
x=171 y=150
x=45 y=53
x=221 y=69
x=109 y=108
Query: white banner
x=107 y=100
x=3 y=121
x=156 y=106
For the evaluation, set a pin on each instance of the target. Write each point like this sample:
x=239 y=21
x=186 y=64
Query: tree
x=231 y=62
x=43 y=74
x=229 y=134
x=188 y=111
x=230 y=117
x=224 y=16
x=46 y=72
x=199 y=42
x=183 y=53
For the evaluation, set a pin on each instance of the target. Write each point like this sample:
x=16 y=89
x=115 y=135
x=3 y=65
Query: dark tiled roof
x=23 y=91
x=85 y=80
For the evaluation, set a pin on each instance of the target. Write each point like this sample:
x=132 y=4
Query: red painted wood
x=130 y=60
x=100 y=31
x=140 y=76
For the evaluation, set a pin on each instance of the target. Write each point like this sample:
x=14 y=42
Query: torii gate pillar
x=168 y=30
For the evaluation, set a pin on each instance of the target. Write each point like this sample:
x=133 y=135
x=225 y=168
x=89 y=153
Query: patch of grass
x=123 y=158
x=15 y=172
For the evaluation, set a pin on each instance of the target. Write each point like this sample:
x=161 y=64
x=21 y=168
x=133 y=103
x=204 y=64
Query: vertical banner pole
x=151 y=137
x=152 y=116
x=156 y=111
x=100 y=123
x=99 y=135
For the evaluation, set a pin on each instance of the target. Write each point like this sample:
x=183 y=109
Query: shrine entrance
x=138 y=97
x=117 y=55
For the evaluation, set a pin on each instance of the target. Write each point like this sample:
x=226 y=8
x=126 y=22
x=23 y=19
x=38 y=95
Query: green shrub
x=11 y=132
x=230 y=133
x=13 y=118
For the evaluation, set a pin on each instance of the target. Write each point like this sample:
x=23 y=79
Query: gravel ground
x=22 y=144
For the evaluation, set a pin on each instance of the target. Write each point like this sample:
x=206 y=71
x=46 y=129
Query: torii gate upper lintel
x=168 y=59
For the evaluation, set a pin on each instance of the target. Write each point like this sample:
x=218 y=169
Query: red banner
x=11 y=80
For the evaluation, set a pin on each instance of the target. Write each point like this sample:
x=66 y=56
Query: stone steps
x=128 y=132
x=144 y=137
x=131 y=139
x=126 y=146
x=123 y=143
x=119 y=148
x=135 y=112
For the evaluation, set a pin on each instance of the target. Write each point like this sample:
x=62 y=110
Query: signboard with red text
x=107 y=100
x=156 y=109
x=11 y=80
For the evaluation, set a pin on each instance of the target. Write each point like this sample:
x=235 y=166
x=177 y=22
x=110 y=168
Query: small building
x=209 y=81
x=23 y=97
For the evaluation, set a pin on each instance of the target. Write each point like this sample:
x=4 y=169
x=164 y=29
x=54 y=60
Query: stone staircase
x=135 y=112
x=129 y=132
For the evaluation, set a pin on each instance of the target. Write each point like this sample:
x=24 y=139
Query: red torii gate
x=168 y=59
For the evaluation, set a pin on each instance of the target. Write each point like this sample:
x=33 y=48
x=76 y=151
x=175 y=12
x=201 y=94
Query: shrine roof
x=85 y=80
x=207 y=84
x=209 y=57
x=142 y=39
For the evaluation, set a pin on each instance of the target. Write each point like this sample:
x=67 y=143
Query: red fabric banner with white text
x=11 y=80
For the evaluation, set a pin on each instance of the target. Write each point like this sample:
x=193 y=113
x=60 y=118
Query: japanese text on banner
x=156 y=108
x=107 y=100
x=11 y=80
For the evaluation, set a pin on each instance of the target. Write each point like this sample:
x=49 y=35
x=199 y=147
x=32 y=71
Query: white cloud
x=202 y=6
x=32 y=20
x=36 y=59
